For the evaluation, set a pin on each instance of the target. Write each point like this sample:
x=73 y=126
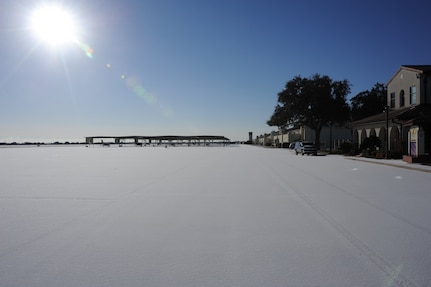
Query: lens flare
x=134 y=85
x=393 y=278
x=56 y=25
x=85 y=48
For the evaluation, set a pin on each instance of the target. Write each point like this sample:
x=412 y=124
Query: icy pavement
x=396 y=163
x=209 y=216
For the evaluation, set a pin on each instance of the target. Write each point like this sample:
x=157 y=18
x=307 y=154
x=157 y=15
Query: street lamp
x=330 y=137
x=387 y=132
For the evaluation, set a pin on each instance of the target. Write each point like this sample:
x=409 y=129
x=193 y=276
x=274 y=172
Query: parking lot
x=209 y=216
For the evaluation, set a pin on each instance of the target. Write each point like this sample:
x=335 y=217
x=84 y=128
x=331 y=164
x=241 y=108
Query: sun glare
x=54 y=25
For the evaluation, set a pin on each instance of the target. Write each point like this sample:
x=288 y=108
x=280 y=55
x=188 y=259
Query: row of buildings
x=404 y=128
x=330 y=137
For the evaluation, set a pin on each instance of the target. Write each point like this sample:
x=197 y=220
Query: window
x=392 y=100
x=413 y=95
x=402 y=98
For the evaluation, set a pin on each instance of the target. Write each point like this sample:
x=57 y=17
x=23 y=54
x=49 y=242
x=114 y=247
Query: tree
x=369 y=103
x=315 y=102
x=278 y=118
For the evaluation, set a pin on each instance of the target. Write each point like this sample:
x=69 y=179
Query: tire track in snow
x=383 y=264
x=388 y=212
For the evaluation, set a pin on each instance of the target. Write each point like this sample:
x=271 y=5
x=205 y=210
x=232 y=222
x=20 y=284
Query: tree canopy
x=315 y=102
x=369 y=103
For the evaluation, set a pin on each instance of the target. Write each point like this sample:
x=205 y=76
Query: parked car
x=305 y=147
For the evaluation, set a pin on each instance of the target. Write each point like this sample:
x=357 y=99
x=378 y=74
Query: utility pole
x=387 y=132
x=330 y=137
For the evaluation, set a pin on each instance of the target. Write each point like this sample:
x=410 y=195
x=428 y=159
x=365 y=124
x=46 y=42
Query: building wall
x=402 y=81
x=339 y=134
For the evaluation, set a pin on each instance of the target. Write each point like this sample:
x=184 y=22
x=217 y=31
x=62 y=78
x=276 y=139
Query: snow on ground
x=209 y=216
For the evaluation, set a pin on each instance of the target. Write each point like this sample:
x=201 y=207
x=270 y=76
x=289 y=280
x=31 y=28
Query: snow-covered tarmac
x=209 y=216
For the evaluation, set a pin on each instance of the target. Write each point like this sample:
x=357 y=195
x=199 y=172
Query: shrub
x=371 y=143
x=346 y=147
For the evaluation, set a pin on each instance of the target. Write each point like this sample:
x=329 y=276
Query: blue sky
x=187 y=67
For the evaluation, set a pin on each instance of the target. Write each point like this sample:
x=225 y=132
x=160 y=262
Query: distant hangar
x=156 y=140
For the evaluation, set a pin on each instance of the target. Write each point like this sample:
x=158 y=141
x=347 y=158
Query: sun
x=54 y=25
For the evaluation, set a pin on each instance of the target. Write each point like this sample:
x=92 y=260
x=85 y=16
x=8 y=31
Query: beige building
x=329 y=135
x=405 y=127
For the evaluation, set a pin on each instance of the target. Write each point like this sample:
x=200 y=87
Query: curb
x=416 y=168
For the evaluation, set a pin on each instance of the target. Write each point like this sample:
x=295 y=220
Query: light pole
x=387 y=132
x=281 y=135
x=330 y=137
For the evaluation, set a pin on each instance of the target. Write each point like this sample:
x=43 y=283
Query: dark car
x=305 y=147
